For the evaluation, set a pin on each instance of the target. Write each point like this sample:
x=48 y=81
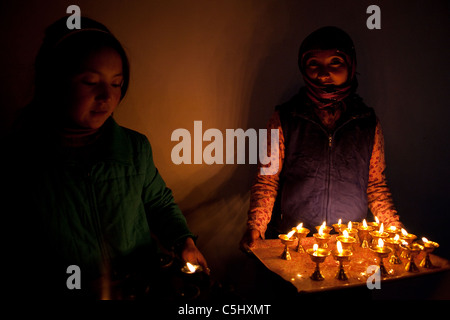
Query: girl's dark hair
x=63 y=50
x=62 y=53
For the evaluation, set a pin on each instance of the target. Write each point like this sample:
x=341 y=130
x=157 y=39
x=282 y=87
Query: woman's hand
x=248 y=239
x=191 y=254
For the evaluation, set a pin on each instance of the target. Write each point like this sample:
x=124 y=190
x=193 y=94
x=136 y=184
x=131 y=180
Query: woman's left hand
x=191 y=254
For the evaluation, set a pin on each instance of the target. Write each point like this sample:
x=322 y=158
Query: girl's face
x=95 y=91
x=326 y=67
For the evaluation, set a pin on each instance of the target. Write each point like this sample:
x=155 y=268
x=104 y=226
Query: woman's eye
x=89 y=83
x=117 y=85
x=336 y=62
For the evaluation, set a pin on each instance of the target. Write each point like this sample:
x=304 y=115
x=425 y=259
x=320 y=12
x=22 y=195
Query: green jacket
x=102 y=203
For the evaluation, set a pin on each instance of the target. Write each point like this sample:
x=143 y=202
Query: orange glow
x=381 y=229
x=289 y=235
x=339 y=246
x=191 y=267
x=315 y=248
x=321 y=230
x=364 y=223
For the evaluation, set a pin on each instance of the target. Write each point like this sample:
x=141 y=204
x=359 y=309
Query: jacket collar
x=113 y=145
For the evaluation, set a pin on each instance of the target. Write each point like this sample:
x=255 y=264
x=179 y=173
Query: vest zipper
x=327 y=207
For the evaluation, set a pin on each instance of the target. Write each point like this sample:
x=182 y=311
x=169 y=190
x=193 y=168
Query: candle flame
x=349 y=226
x=405 y=243
x=377 y=221
x=321 y=230
x=364 y=223
x=300 y=226
x=396 y=237
x=381 y=228
x=425 y=240
x=339 y=246
x=340 y=221
x=345 y=233
x=191 y=267
x=380 y=243
x=315 y=247
x=289 y=235
x=404 y=232
x=392 y=228
x=324 y=224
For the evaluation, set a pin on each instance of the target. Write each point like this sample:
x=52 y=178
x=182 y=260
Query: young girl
x=331 y=149
x=93 y=196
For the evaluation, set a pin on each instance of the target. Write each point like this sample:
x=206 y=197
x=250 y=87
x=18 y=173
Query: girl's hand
x=248 y=239
x=191 y=254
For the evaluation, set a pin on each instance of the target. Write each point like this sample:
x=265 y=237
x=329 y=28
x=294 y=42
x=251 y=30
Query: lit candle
x=341 y=255
x=408 y=237
x=300 y=233
x=352 y=231
x=394 y=244
x=322 y=236
x=346 y=240
x=382 y=252
x=345 y=233
x=190 y=268
x=324 y=227
x=364 y=226
x=363 y=234
x=337 y=226
x=287 y=237
x=392 y=231
x=315 y=247
x=374 y=224
x=429 y=247
x=378 y=234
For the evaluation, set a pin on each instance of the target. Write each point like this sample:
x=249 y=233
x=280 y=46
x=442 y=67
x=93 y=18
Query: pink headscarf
x=323 y=96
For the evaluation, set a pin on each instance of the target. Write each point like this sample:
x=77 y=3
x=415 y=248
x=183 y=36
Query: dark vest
x=325 y=174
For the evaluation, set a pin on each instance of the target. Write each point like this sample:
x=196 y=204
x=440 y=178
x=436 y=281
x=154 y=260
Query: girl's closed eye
x=117 y=84
x=337 y=62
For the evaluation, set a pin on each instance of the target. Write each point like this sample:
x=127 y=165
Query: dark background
x=228 y=63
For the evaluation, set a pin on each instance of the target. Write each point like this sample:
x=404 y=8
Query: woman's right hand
x=248 y=240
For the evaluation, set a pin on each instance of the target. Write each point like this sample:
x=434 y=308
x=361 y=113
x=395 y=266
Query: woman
x=331 y=149
x=87 y=191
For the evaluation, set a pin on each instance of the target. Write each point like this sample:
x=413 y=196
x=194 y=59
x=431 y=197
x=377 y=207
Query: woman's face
x=95 y=91
x=326 y=67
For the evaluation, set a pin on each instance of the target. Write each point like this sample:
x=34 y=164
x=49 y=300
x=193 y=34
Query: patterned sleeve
x=265 y=188
x=378 y=194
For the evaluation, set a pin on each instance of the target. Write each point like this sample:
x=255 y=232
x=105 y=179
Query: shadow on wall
x=217 y=213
